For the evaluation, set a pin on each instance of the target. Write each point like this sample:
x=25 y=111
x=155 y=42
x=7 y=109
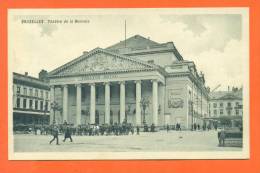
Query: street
x=158 y=141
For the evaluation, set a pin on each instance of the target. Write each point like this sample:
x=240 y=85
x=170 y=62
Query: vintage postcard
x=98 y=84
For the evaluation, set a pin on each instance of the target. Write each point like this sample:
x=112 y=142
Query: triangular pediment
x=98 y=61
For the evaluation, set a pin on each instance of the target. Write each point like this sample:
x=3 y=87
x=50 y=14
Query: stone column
x=92 y=103
x=51 y=101
x=122 y=101
x=65 y=103
x=78 y=104
x=155 y=102
x=107 y=103
x=137 y=102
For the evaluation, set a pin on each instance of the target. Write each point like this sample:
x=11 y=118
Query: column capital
x=52 y=86
x=78 y=85
x=91 y=84
x=154 y=80
x=121 y=82
x=137 y=81
x=106 y=83
x=65 y=86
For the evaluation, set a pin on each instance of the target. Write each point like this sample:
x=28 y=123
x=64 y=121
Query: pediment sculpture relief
x=102 y=62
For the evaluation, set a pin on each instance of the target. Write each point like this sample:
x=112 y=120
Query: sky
x=214 y=41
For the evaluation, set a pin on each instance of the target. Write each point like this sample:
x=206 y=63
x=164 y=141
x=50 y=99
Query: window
x=150 y=61
x=31 y=104
x=41 y=94
x=36 y=93
x=24 y=103
x=18 y=102
x=31 y=92
x=24 y=91
x=41 y=105
x=237 y=112
x=214 y=105
x=221 y=112
x=47 y=95
x=237 y=104
x=229 y=112
x=46 y=106
x=229 y=104
x=215 y=112
x=221 y=104
x=36 y=104
x=18 y=91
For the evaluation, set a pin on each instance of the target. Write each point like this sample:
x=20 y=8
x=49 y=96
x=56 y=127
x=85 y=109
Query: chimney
x=85 y=52
x=26 y=73
x=43 y=75
x=228 y=88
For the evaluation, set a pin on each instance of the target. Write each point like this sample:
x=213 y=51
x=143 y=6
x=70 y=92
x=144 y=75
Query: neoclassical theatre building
x=110 y=85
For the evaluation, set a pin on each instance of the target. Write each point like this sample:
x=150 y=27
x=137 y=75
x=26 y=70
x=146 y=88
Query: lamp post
x=55 y=107
x=127 y=112
x=144 y=103
x=191 y=104
x=44 y=114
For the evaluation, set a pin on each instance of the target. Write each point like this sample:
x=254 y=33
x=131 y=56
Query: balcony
x=31 y=110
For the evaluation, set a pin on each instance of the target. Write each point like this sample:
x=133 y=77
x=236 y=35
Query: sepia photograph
x=101 y=84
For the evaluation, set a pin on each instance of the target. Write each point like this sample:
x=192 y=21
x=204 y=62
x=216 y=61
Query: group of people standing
x=92 y=130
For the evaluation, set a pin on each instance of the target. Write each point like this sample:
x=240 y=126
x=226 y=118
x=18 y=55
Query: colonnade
x=107 y=101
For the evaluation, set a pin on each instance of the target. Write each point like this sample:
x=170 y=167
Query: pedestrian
x=55 y=133
x=67 y=134
x=167 y=128
x=222 y=138
x=137 y=130
x=152 y=127
x=195 y=126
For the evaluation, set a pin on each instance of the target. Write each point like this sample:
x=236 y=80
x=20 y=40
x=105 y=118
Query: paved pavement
x=158 y=141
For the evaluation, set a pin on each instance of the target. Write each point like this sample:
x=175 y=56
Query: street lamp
x=44 y=113
x=55 y=107
x=191 y=107
x=144 y=103
x=127 y=112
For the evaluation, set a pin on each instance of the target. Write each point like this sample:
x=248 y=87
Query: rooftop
x=137 y=45
x=227 y=95
x=133 y=42
x=25 y=79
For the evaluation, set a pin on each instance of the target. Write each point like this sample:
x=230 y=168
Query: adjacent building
x=109 y=86
x=226 y=103
x=31 y=99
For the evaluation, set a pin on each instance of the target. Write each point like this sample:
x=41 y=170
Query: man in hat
x=55 y=133
x=67 y=134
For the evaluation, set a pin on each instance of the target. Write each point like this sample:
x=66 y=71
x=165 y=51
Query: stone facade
x=107 y=86
x=226 y=104
x=31 y=100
